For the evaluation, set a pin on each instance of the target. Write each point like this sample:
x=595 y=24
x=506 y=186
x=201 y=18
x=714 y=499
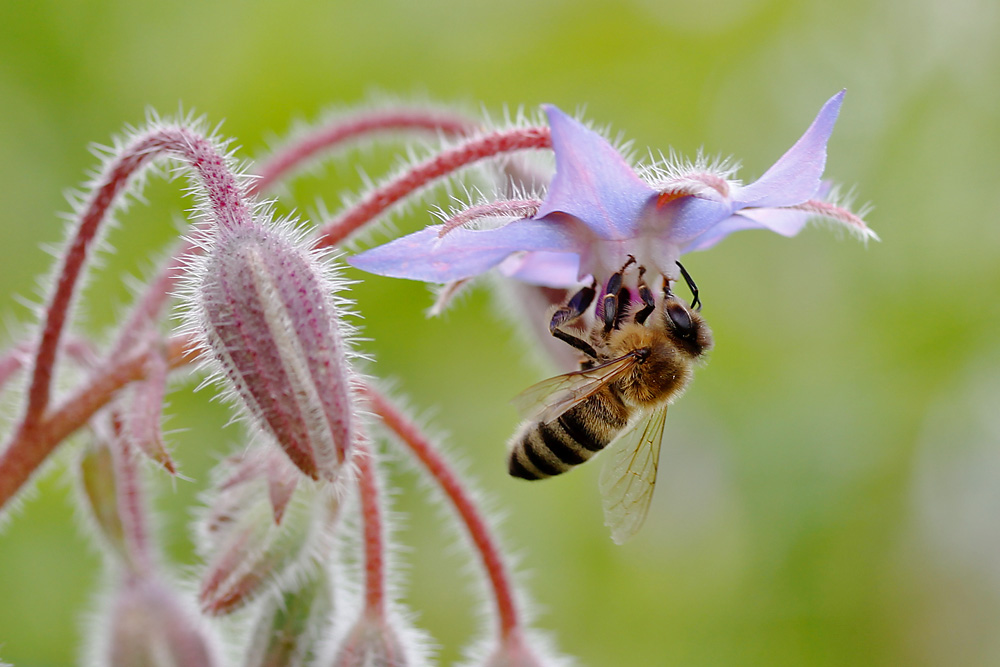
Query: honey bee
x=632 y=369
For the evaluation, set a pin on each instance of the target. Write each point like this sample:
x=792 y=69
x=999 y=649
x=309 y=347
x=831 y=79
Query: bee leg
x=613 y=306
x=695 y=300
x=574 y=308
x=648 y=302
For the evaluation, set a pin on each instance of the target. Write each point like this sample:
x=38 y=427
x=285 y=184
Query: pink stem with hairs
x=476 y=526
x=225 y=200
x=40 y=433
x=278 y=166
x=374 y=532
x=341 y=130
x=23 y=454
x=443 y=164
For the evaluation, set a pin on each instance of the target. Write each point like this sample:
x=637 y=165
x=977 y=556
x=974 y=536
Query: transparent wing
x=550 y=398
x=629 y=476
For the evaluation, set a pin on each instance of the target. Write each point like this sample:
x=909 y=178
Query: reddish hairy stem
x=29 y=448
x=438 y=166
x=35 y=436
x=225 y=199
x=524 y=208
x=344 y=129
x=278 y=166
x=131 y=504
x=374 y=534
x=79 y=350
x=489 y=551
x=829 y=210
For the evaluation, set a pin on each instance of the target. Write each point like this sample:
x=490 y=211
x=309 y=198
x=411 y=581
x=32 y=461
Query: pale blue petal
x=462 y=253
x=593 y=183
x=795 y=177
x=787 y=222
x=550 y=269
x=690 y=217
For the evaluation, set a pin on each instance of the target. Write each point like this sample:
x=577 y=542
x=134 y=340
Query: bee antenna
x=695 y=300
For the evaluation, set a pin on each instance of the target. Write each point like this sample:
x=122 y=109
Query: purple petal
x=462 y=253
x=690 y=217
x=786 y=222
x=795 y=177
x=593 y=182
x=549 y=269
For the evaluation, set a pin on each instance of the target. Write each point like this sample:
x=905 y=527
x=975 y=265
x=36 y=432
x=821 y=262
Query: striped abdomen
x=541 y=450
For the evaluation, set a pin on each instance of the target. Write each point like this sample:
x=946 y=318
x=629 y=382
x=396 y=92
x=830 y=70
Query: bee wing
x=629 y=476
x=550 y=398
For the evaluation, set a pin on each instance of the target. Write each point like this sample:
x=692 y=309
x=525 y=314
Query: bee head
x=686 y=326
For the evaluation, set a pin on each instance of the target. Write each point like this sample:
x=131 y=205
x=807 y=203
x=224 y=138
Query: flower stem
x=290 y=157
x=344 y=129
x=374 y=533
x=131 y=504
x=225 y=200
x=27 y=449
x=436 y=167
x=32 y=441
x=508 y=616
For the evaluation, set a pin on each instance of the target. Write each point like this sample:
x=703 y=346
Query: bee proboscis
x=638 y=358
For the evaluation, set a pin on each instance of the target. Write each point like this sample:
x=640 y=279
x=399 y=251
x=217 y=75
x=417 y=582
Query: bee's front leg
x=648 y=301
x=573 y=310
x=617 y=299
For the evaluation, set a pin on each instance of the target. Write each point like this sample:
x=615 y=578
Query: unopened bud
x=100 y=490
x=267 y=312
x=142 y=420
x=149 y=626
x=261 y=528
x=372 y=642
x=515 y=650
x=291 y=623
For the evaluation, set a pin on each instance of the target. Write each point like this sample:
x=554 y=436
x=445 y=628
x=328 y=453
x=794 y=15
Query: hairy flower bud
x=514 y=654
x=261 y=528
x=266 y=310
x=291 y=623
x=372 y=642
x=100 y=491
x=149 y=626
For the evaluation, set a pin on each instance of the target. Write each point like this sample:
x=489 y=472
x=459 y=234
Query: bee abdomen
x=546 y=449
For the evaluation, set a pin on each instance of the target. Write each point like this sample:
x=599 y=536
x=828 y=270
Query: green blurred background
x=830 y=490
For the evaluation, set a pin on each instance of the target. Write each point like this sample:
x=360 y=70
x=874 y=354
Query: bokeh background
x=830 y=490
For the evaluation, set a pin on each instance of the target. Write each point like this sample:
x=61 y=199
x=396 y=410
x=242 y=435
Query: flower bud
x=524 y=649
x=372 y=642
x=262 y=527
x=144 y=414
x=149 y=626
x=100 y=491
x=291 y=623
x=268 y=315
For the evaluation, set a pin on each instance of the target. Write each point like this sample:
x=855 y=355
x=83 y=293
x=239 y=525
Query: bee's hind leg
x=574 y=308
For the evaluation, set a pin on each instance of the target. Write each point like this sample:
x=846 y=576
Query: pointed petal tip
x=832 y=106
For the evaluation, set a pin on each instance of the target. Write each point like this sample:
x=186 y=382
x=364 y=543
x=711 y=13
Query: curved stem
x=131 y=504
x=285 y=160
x=374 y=533
x=225 y=201
x=489 y=551
x=32 y=441
x=341 y=130
x=444 y=163
x=28 y=449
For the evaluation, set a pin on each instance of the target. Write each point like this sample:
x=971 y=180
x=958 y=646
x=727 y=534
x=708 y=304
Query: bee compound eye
x=679 y=315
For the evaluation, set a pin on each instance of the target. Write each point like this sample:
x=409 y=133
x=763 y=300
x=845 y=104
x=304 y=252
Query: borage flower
x=598 y=210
